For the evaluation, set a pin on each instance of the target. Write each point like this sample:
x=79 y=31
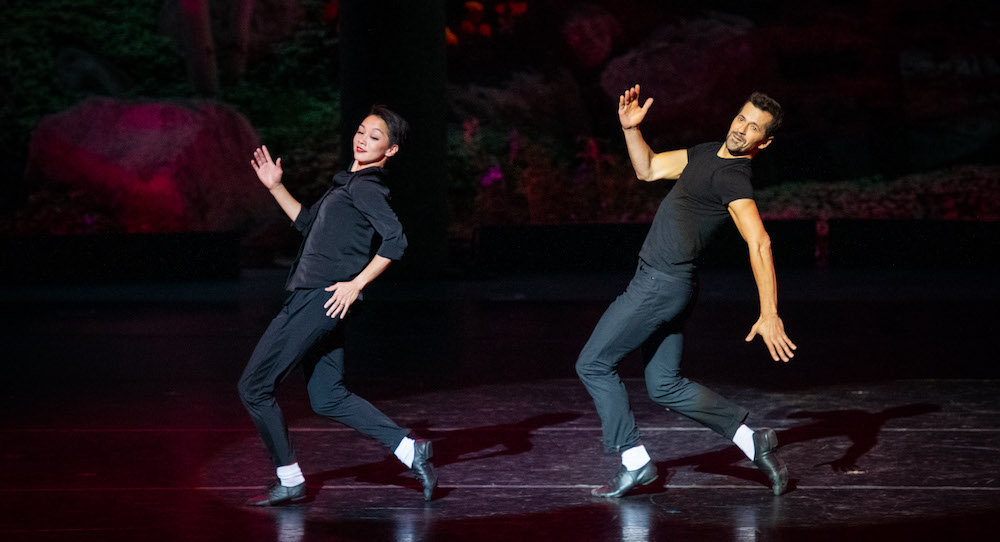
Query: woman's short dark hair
x=768 y=105
x=397 y=125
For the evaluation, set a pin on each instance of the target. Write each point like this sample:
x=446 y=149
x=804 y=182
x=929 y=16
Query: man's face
x=371 y=141
x=746 y=133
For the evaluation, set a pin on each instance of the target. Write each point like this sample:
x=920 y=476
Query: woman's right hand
x=268 y=171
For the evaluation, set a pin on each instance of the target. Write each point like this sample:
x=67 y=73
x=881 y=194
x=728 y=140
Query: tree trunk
x=199 y=47
x=234 y=63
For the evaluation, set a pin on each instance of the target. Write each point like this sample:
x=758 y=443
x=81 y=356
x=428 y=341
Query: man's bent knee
x=586 y=368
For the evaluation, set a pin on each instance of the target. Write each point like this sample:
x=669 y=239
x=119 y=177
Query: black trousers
x=651 y=314
x=302 y=334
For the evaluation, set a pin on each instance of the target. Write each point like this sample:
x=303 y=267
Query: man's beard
x=736 y=148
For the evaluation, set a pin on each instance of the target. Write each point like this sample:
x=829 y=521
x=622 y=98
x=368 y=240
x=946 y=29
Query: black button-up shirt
x=340 y=228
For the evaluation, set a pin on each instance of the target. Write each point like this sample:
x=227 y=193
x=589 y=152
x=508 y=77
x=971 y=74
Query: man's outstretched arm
x=649 y=166
x=769 y=326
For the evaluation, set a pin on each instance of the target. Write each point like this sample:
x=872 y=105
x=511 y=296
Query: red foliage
x=331 y=10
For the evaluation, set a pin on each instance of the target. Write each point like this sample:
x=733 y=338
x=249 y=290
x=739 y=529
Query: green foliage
x=290 y=91
x=291 y=95
x=122 y=33
x=307 y=59
x=300 y=125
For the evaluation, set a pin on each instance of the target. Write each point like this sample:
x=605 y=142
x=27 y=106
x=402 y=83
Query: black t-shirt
x=339 y=230
x=694 y=209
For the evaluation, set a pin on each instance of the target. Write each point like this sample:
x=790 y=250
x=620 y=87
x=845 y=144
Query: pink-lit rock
x=160 y=167
x=697 y=71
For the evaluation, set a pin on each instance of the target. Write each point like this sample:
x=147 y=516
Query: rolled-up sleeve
x=372 y=200
x=304 y=219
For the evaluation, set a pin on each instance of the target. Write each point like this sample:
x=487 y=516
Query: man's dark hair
x=397 y=125
x=767 y=104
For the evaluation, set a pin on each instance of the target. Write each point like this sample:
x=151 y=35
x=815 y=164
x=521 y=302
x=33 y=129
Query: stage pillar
x=393 y=52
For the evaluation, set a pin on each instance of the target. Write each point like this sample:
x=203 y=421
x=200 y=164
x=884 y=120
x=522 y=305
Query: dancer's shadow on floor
x=450 y=447
x=861 y=427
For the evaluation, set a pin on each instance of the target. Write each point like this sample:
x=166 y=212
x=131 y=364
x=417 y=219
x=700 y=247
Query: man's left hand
x=772 y=330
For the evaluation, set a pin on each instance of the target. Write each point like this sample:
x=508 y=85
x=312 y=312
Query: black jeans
x=652 y=311
x=302 y=334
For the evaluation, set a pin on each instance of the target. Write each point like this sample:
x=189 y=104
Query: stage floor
x=122 y=421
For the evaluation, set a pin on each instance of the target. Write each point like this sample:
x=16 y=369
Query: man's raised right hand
x=629 y=112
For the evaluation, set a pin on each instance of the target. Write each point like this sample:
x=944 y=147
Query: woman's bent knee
x=326 y=401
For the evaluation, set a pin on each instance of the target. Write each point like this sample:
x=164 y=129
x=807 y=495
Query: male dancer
x=309 y=330
x=713 y=183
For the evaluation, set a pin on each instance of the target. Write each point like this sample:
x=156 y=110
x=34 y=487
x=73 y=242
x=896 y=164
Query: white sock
x=290 y=475
x=405 y=451
x=744 y=439
x=634 y=458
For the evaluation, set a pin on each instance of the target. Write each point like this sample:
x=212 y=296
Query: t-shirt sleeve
x=731 y=184
x=372 y=200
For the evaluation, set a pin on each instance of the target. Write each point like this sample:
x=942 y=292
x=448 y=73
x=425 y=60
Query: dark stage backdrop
x=392 y=53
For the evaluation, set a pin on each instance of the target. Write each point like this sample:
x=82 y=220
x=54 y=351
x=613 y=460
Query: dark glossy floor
x=121 y=420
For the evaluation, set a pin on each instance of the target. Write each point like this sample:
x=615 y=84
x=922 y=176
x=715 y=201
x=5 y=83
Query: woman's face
x=371 y=143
